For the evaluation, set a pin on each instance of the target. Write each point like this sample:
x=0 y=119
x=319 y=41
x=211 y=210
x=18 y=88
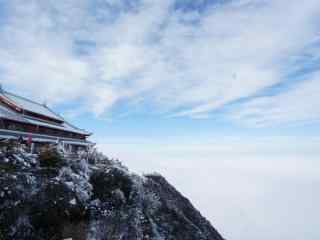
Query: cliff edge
x=48 y=197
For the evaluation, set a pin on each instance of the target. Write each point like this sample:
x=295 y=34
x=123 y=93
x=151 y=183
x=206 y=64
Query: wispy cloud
x=299 y=104
x=183 y=61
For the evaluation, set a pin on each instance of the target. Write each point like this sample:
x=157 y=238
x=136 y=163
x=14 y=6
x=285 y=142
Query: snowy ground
x=52 y=197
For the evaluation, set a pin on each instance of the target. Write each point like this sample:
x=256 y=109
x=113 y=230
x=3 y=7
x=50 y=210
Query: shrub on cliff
x=50 y=157
x=113 y=186
x=54 y=206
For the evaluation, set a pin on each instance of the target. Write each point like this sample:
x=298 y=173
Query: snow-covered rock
x=98 y=201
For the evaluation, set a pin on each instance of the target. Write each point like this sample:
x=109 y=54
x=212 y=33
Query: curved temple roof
x=37 y=108
x=31 y=106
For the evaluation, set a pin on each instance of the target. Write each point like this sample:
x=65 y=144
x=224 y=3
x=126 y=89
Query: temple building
x=24 y=119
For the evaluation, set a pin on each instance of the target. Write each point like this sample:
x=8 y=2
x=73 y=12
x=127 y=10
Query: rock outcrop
x=101 y=201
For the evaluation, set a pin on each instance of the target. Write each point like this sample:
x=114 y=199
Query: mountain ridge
x=47 y=197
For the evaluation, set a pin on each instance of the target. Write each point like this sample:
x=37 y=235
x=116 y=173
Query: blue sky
x=221 y=97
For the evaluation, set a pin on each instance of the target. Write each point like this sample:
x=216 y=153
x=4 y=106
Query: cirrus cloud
x=182 y=61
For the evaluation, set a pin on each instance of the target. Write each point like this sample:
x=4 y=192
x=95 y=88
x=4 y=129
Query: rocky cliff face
x=101 y=201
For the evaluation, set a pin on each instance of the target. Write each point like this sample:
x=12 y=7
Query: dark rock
x=82 y=201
